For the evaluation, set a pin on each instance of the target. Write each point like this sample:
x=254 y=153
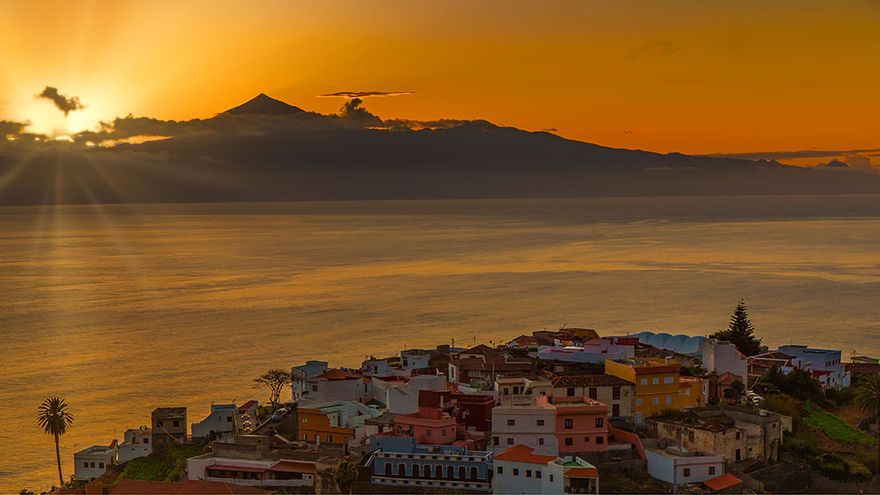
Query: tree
x=275 y=381
x=54 y=418
x=345 y=474
x=736 y=390
x=867 y=397
x=740 y=331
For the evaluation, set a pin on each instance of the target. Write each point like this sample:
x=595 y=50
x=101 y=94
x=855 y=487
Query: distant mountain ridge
x=268 y=150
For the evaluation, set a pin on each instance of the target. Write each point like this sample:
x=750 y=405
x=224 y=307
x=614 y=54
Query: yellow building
x=658 y=385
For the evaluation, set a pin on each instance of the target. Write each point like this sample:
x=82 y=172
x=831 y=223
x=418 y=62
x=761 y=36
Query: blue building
x=399 y=461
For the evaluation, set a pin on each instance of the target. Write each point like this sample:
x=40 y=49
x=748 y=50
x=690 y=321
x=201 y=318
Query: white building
x=414 y=359
x=521 y=390
x=825 y=363
x=299 y=375
x=520 y=470
x=282 y=473
x=377 y=367
x=221 y=420
x=403 y=397
x=531 y=424
x=723 y=357
x=335 y=384
x=678 y=466
x=137 y=443
x=94 y=462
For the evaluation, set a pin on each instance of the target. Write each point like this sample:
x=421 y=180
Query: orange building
x=322 y=424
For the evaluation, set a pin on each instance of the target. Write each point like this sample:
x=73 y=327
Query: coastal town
x=548 y=412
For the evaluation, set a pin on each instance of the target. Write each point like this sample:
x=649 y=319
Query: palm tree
x=867 y=397
x=345 y=474
x=55 y=420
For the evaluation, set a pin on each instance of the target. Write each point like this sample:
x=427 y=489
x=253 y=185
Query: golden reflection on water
x=124 y=308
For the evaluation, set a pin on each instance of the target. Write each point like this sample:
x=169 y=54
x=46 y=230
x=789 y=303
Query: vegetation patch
x=169 y=465
x=834 y=427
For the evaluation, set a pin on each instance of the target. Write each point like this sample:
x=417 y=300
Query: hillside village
x=561 y=411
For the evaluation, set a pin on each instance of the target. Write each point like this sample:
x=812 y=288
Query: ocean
x=123 y=308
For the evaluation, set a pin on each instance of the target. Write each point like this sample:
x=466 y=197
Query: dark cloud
x=64 y=103
x=782 y=155
x=418 y=125
x=10 y=128
x=660 y=45
x=354 y=110
x=365 y=94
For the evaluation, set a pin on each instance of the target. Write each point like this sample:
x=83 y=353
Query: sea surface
x=121 y=309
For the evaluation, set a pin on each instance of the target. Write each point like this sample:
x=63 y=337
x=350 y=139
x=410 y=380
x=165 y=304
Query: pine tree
x=741 y=332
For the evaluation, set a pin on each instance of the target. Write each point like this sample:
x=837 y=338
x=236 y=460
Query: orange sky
x=695 y=76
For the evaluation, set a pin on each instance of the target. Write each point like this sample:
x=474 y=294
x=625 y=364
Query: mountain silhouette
x=268 y=150
x=263 y=104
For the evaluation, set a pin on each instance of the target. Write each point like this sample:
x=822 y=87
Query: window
x=511 y=422
x=438 y=472
x=655 y=381
x=538 y=473
x=540 y=440
x=737 y=435
x=305 y=436
x=569 y=424
x=428 y=433
x=528 y=473
x=586 y=439
x=330 y=438
x=305 y=419
x=594 y=393
x=551 y=478
x=615 y=410
x=495 y=441
x=600 y=422
x=175 y=423
x=687 y=472
x=443 y=432
x=655 y=400
x=643 y=381
x=711 y=470
x=474 y=473
x=159 y=423
x=499 y=470
x=415 y=470
x=515 y=472
x=569 y=391
x=668 y=399
x=146 y=439
x=101 y=465
x=85 y=464
x=229 y=419
x=540 y=422
x=569 y=441
x=401 y=470
x=638 y=402
x=668 y=379
x=314 y=388
x=600 y=440
x=509 y=440
x=462 y=472
x=615 y=393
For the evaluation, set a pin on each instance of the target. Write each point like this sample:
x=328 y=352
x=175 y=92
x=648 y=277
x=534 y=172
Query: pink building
x=429 y=426
x=581 y=425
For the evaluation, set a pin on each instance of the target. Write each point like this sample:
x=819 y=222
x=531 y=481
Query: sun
x=46 y=119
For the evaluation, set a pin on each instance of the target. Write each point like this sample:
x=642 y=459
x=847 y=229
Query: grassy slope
x=169 y=466
x=835 y=427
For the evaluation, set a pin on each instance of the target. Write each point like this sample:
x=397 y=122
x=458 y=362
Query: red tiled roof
x=288 y=466
x=523 y=453
x=194 y=487
x=247 y=405
x=582 y=472
x=588 y=381
x=724 y=481
x=243 y=469
x=337 y=374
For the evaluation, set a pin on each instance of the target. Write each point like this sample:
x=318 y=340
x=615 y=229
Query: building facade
x=222 y=419
x=614 y=391
x=531 y=424
x=136 y=443
x=400 y=461
x=94 y=462
x=519 y=469
x=581 y=425
x=247 y=472
x=678 y=466
x=658 y=385
x=168 y=427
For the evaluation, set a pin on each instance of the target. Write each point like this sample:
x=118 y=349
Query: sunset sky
x=690 y=76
